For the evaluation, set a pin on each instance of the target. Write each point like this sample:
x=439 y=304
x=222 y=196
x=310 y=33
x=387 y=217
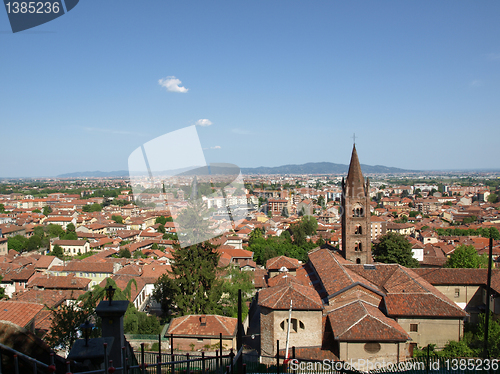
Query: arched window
x=358 y=230
x=358 y=211
x=358 y=261
x=294 y=325
x=358 y=247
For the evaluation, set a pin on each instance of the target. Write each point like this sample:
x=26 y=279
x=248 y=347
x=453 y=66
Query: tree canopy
x=394 y=248
x=466 y=256
x=192 y=286
x=67 y=318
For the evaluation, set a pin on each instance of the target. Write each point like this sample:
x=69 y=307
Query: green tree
x=161 y=229
x=394 y=248
x=191 y=287
x=2 y=290
x=117 y=218
x=2 y=208
x=89 y=208
x=492 y=198
x=67 y=318
x=254 y=235
x=57 y=251
x=46 y=210
x=465 y=256
x=34 y=243
x=18 y=243
x=234 y=280
x=125 y=253
x=54 y=231
x=161 y=220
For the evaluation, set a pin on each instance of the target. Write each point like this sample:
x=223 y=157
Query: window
x=294 y=325
x=413 y=327
x=199 y=340
x=358 y=247
x=457 y=292
x=372 y=347
x=358 y=230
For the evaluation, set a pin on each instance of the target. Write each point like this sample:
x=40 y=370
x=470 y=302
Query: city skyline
x=267 y=84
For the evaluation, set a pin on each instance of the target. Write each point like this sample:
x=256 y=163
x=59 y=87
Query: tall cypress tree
x=191 y=287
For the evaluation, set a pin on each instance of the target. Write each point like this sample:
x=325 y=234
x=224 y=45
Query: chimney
x=203 y=320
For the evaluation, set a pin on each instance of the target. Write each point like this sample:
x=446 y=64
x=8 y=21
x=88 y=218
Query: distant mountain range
x=323 y=168
x=309 y=168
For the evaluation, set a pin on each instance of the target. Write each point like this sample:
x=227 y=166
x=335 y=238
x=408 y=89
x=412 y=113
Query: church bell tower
x=356 y=223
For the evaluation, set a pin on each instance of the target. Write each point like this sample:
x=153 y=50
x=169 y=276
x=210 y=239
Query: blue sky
x=280 y=82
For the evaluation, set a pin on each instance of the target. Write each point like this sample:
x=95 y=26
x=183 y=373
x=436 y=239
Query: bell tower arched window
x=358 y=211
x=358 y=247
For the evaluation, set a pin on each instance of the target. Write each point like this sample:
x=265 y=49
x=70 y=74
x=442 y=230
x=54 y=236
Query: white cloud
x=216 y=147
x=172 y=84
x=204 y=122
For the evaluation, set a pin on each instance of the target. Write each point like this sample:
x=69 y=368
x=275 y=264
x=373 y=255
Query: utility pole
x=488 y=292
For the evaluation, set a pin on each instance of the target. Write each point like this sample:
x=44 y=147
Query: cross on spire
x=354 y=138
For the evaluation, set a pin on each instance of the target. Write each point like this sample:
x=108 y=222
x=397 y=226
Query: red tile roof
x=361 y=321
x=18 y=312
x=304 y=297
x=277 y=263
x=203 y=325
x=69 y=282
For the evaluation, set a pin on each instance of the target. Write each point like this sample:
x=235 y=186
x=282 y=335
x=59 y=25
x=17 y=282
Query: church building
x=346 y=307
x=356 y=226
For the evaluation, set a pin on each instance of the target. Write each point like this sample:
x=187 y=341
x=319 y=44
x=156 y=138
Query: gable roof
x=277 y=263
x=361 y=321
x=19 y=312
x=278 y=297
x=203 y=325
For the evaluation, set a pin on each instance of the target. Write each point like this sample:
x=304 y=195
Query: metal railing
x=176 y=364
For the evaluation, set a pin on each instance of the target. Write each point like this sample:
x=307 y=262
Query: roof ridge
x=307 y=297
x=221 y=323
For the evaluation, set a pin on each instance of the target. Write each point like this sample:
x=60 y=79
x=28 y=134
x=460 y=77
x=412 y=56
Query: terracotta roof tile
x=18 y=312
x=304 y=297
x=277 y=263
x=361 y=321
x=203 y=325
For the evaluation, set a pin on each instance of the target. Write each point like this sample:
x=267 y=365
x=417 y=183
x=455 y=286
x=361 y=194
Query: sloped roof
x=361 y=321
x=448 y=276
x=334 y=272
x=49 y=297
x=304 y=297
x=60 y=282
x=277 y=263
x=355 y=183
x=203 y=325
x=421 y=305
x=19 y=313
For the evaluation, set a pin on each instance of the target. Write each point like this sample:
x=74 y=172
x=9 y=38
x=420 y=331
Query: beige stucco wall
x=271 y=331
x=466 y=294
x=355 y=352
x=433 y=331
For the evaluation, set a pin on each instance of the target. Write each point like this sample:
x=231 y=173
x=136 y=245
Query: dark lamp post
x=110 y=291
x=86 y=330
